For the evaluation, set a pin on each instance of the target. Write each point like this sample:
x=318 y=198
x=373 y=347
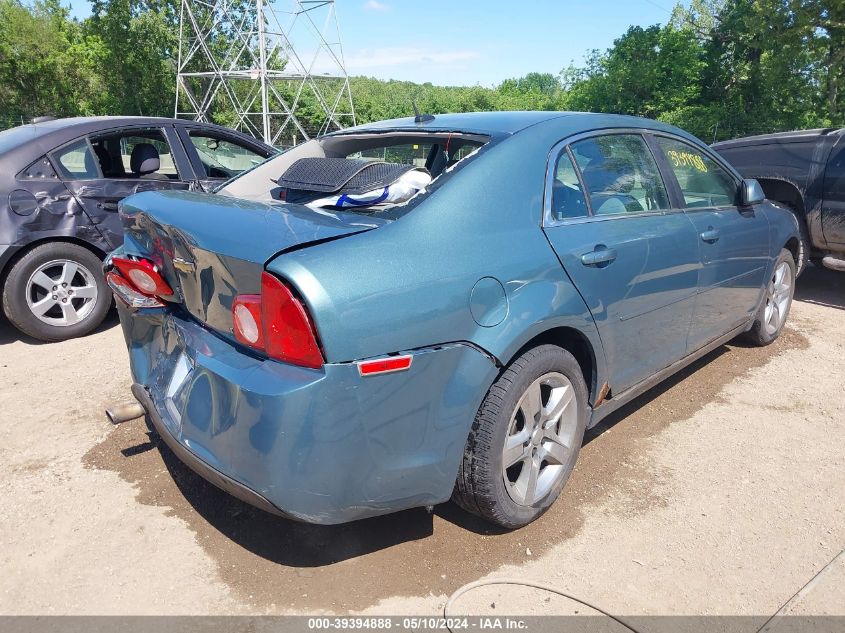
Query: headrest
x=144 y=159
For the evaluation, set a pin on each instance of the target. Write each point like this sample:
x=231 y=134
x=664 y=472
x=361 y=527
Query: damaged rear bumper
x=322 y=446
x=209 y=473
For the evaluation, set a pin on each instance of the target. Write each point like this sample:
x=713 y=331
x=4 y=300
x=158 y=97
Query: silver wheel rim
x=61 y=292
x=778 y=295
x=540 y=437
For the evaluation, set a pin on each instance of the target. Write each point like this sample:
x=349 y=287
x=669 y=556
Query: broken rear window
x=367 y=172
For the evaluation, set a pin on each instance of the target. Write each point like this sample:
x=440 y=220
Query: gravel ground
x=719 y=492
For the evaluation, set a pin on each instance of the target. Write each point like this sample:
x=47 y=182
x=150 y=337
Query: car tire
x=64 y=283
x=777 y=301
x=504 y=429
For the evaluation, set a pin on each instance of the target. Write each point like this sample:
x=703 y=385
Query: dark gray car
x=60 y=182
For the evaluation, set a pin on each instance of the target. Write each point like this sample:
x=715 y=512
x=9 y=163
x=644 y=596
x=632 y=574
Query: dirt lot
x=719 y=492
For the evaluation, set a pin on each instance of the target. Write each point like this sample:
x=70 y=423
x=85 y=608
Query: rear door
x=218 y=156
x=633 y=258
x=99 y=172
x=833 y=205
x=733 y=241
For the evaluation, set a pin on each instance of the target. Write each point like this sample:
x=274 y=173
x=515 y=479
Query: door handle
x=711 y=235
x=601 y=256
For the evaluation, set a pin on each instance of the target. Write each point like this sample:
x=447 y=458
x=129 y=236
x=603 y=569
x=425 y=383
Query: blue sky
x=468 y=42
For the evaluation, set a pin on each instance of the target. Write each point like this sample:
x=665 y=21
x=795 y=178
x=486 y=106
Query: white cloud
x=364 y=59
x=375 y=5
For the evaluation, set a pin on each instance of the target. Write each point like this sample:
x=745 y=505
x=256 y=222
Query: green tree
x=48 y=65
x=648 y=72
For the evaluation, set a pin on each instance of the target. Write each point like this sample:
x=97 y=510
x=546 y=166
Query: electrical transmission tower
x=256 y=64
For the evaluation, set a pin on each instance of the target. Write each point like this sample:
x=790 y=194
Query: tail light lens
x=143 y=276
x=246 y=317
x=129 y=294
x=277 y=323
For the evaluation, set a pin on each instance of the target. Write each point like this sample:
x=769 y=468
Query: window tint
x=222 y=158
x=114 y=155
x=620 y=174
x=704 y=183
x=567 y=197
x=77 y=162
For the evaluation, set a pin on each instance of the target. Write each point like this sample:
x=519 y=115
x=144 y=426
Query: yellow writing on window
x=687 y=159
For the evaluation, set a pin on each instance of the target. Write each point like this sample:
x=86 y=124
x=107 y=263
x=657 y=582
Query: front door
x=632 y=258
x=217 y=156
x=733 y=241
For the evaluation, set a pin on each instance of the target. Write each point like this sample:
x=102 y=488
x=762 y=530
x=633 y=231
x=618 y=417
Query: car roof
x=28 y=142
x=511 y=122
x=795 y=136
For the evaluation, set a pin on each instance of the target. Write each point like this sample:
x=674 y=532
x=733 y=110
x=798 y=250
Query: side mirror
x=750 y=192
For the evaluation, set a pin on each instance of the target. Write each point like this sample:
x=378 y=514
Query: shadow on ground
x=10 y=334
x=277 y=564
x=821 y=286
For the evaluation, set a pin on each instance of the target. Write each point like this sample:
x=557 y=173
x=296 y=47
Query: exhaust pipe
x=118 y=413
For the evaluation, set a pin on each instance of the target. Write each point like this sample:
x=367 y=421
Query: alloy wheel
x=61 y=292
x=777 y=298
x=540 y=438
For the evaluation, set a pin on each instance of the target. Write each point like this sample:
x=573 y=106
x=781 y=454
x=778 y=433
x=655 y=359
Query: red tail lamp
x=143 y=275
x=277 y=323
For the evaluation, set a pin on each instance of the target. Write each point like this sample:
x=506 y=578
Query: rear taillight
x=277 y=323
x=246 y=317
x=143 y=275
x=129 y=294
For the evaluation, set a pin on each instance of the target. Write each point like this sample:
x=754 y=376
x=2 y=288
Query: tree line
x=718 y=68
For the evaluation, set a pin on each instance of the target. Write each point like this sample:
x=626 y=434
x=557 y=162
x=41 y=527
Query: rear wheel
x=774 y=310
x=525 y=439
x=56 y=291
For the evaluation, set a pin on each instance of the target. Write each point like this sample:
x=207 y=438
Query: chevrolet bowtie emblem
x=184 y=265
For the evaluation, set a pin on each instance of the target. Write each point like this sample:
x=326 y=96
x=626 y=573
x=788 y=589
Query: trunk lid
x=211 y=247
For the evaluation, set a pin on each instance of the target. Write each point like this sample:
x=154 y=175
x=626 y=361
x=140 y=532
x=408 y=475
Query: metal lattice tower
x=254 y=64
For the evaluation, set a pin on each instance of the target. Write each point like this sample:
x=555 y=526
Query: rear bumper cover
x=234 y=488
x=322 y=446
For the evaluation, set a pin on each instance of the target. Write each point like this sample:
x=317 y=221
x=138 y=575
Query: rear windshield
x=367 y=173
x=416 y=154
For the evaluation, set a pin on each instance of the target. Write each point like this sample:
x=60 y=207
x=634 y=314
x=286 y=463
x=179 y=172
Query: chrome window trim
x=548 y=219
x=564 y=145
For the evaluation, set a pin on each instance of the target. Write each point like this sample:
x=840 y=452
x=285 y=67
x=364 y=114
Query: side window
x=222 y=158
x=139 y=153
x=620 y=174
x=77 y=162
x=567 y=197
x=704 y=183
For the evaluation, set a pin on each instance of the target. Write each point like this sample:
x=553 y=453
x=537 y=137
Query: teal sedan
x=429 y=308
